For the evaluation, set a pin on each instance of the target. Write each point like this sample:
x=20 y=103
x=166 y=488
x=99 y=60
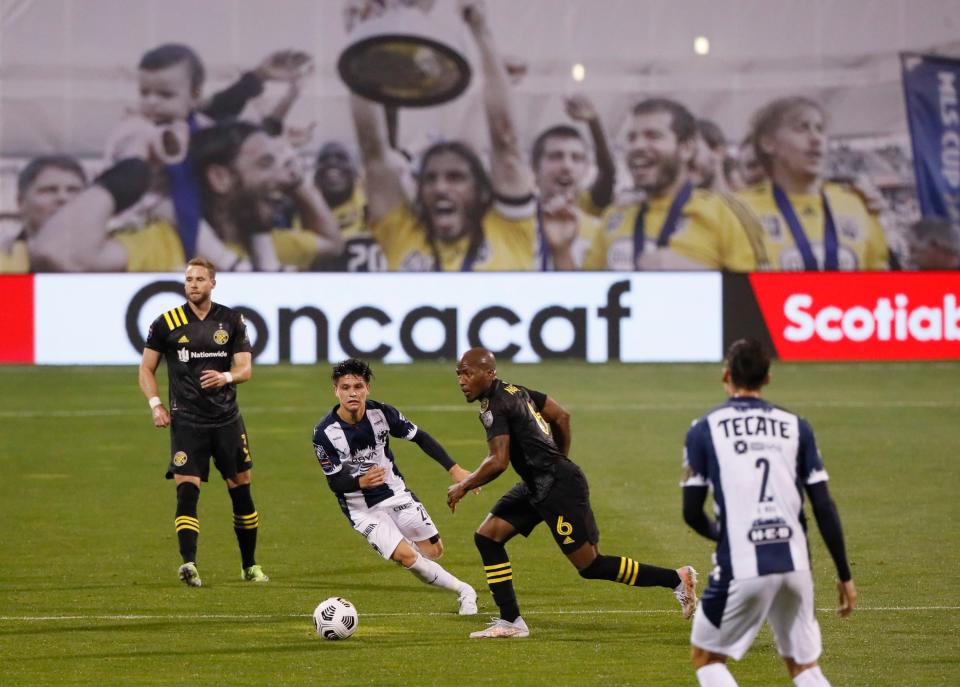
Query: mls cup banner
x=930 y=86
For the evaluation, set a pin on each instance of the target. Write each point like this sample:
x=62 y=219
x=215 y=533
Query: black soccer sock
x=245 y=522
x=627 y=571
x=187 y=524
x=496 y=564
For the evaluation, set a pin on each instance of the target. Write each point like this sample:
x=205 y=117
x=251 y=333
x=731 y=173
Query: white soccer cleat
x=188 y=573
x=467 y=600
x=686 y=591
x=500 y=628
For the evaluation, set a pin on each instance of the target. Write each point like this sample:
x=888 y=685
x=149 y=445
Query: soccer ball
x=335 y=618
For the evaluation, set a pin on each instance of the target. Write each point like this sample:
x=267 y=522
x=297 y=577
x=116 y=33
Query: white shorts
x=389 y=522
x=730 y=616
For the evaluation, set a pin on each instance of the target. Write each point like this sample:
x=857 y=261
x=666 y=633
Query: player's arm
x=383 y=182
x=76 y=238
x=694 y=499
x=241 y=369
x=495 y=463
x=828 y=522
x=433 y=448
x=315 y=215
x=509 y=172
x=148 y=385
x=694 y=481
x=559 y=420
x=581 y=109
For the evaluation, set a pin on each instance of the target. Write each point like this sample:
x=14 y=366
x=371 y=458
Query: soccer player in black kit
x=531 y=431
x=208 y=353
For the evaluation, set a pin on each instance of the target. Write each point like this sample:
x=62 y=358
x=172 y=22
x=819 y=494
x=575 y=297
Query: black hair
x=558 y=131
x=712 y=134
x=169 y=54
x=483 y=188
x=219 y=144
x=749 y=364
x=37 y=165
x=352 y=366
x=682 y=123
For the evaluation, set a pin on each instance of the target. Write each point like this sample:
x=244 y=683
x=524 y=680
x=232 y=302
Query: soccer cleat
x=253 y=574
x=468 y=600
x=500 y=628
x=188 y=573
x=686 y=591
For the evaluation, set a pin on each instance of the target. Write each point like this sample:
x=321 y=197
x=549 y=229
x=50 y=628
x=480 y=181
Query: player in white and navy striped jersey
x=352 y=444
x=759 y=460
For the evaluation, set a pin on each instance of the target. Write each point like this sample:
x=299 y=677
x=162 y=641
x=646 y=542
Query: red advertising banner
x=861 y=316
x=16 y=318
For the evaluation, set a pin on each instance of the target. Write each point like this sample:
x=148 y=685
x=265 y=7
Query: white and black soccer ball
x=335 y=618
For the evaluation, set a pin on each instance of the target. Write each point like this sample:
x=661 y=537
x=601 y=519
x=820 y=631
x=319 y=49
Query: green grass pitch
x=88 y=587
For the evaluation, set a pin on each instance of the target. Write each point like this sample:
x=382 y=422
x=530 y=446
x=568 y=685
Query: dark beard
x=666 y=176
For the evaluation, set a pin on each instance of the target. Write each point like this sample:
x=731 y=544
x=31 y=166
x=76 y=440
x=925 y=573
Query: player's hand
x=474 y=13
x=161 y=418
x=212 y=379
x=458 y=474
x=293 y=173
x=516 y=68
x=848 y=598
x=560 y=221
x=373 y=478
x=580 y=108
x=285 y=65
x=455 y=492
x=300 y=136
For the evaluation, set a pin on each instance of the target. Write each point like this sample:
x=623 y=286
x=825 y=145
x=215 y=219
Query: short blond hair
x=206 y=264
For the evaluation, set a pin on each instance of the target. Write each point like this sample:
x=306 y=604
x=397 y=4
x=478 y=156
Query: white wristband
x=154 y=402
x=228 y=377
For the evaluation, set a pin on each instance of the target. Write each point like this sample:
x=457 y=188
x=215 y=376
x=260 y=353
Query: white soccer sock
x=433 y=573
x=811 y=677
x=715 y=675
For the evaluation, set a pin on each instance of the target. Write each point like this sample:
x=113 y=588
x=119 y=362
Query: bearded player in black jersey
x=208 y=353
x=531 y=431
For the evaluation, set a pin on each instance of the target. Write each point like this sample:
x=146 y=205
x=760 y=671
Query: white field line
x=410 y=409
x=273 y=616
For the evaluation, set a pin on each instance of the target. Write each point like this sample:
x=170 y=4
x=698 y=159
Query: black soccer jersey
x=190 y=346
x=515 y=410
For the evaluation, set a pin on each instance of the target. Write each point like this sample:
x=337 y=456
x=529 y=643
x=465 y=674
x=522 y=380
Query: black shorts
x=192 y=447
x=566 y=509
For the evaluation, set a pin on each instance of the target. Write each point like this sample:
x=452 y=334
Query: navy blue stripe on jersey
x=713 y=602
x=702 y=457
x=342 y=447
x=774 y=558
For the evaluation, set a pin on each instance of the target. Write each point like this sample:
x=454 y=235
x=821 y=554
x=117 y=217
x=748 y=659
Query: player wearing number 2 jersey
x=530 y=431
x=757 y=458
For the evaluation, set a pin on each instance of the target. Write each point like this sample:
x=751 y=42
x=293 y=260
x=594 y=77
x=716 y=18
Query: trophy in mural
x=403 y=52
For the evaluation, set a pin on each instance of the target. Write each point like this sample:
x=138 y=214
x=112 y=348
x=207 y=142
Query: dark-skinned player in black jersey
x=208 y=353
x=531 y=431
